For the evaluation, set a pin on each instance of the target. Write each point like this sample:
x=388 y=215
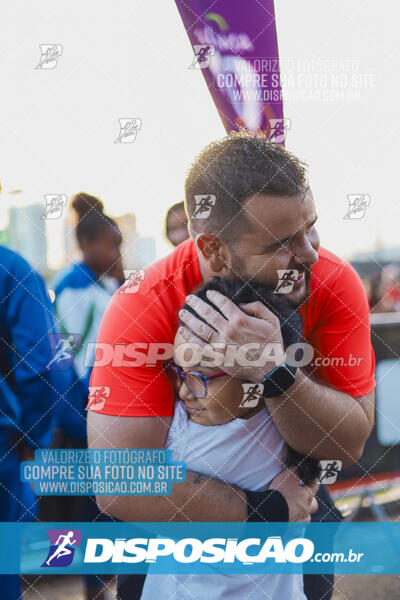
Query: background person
x=28 y=390
x=176 y=224
x=387 y=294
x=81 y=297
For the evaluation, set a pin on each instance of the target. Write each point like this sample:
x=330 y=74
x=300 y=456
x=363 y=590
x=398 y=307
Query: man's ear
x=214 y=251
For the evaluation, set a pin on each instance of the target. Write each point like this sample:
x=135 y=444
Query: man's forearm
x=320 y=421
x=199 y=498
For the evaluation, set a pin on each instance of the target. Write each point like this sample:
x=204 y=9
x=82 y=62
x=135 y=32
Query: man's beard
x=239 y=271
x=304 y=297
x=238 y=268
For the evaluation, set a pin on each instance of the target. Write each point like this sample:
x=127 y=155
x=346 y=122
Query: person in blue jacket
x=82 y=294
x=28 y=389
x=81 y=297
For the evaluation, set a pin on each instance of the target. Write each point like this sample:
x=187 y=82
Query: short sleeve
x=343 y=353
x=134 y=341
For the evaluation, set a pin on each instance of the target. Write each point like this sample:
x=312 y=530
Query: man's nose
x=305 y=253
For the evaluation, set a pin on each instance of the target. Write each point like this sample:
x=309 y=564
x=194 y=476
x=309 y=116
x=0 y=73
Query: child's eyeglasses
x=196 y=383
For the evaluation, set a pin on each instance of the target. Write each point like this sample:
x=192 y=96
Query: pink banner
x=235 y=46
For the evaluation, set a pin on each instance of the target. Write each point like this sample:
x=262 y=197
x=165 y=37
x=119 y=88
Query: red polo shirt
x=335 y=317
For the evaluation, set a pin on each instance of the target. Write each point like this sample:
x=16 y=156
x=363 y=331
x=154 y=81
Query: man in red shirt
x=251 y=215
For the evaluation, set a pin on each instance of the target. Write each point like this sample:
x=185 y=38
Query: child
x=218 y=434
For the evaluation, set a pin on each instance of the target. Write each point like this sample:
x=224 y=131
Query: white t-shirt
x=248 y=453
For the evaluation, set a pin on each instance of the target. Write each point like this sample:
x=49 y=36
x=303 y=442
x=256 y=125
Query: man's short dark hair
x=232 y=169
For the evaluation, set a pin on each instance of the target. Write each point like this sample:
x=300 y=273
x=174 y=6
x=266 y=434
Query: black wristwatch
x=278 y=380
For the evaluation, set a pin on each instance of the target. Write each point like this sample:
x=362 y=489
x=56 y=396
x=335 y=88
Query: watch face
x=277 y=381
x=282 y=377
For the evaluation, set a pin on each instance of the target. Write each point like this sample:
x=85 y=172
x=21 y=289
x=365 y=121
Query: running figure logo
x=278 y=129
x=62 y=547
x=357 y=206
x=67 y=344
x=251 y=394
x=133 y=279
x=330 y=469
x=50 y=53
x=55 y=204
x=287 y=279
x=202 y=56
x=128 y=129
x=204 y=204
x=97 y=396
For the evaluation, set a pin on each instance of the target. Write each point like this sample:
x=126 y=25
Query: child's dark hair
x=242 y=292
x=92 y=220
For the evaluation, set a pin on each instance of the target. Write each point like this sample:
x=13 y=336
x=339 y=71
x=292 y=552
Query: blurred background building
x=50 y=244
x=27 y=234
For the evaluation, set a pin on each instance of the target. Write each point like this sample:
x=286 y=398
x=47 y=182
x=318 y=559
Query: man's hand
x=258 y=327
x=300 y=498
x=199 y=498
